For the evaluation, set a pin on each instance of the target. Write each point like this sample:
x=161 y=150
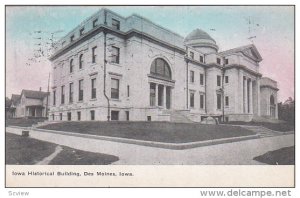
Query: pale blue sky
x=274 y=35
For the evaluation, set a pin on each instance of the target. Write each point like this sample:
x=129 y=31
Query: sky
x=272 y=27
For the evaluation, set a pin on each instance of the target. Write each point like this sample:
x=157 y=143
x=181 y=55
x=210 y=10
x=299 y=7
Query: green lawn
x=23 y=122
x=283 y=127
x=27 y=151
x=284 y=156
x=152 y=131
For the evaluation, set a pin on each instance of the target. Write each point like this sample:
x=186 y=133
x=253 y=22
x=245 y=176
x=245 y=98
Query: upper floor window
x=227 y=101
x=81 y=31
x=192 y=99
x=54 y=97
x=115 y=55
x=80 y=90
x=71 y=66
x=201 y=101
x=72 y=38
x=218 y=80
x=93 y=82
x=160 y=67
x=115 y=24
x=201 y=79
x=80 y=61
x=226 y=79
x=192 y=76
x=226 y=61
x=219 y=61
x=62 y=101
x=115 y=88
x=94 y=54
x=71 y=91
x=219 y=101
x=201 y=59
x=95 y=22
x=192 y=55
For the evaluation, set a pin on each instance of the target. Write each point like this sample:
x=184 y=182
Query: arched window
x=272 y=101
x=80 y=61
x=160 y=67
x=71 y=66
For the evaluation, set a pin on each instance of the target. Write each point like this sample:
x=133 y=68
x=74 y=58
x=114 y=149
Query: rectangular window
x=227 y=101
x=201 y=79
x=72 y=38
x=127 y=115
x=95 y=22
x=115 y=55
x=62 y=94
x=128 y=91
x=71 y=91
x=201 y=59
x=60 y=116
x=115 y=88
x=192 y=77
x=115 y=24
x=52 y=116
x=218 y=80
x=94 y=56
x=192 y=55
x=114 y=115
x=226 y=79
x=226 y=61
x=92 y=114
x=69 y=116
x=192 y=98
x=93 y=82
x=219 y=101
x=78 y=115
x=201 y=101
x=219 y=61
x=152 y=94
x=54 y=97
x=81 y=31
x=80 y=90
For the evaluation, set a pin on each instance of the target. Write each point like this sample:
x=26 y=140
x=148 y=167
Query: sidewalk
x=236 y=153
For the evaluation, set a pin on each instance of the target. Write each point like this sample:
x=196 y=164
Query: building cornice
x=244 y=68
x=269 y=86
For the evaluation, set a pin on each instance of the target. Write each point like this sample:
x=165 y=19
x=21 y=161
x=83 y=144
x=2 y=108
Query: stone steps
x=262 y=131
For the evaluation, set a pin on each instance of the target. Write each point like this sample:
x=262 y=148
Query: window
x=60 y=116
x=93 y=82
x=161 y=68
x=52 y=116
x=94 y=54
x=201 y=79
x=72 y=38
x=71 y=66
x=71 y=90
x=219 y=61
x=226 y=61
x=78 y=115
x=201 y=101
x=62 y=94
x=69 y=116
x=115 y=55
x=192 y=55
x=115 y=88
x=114 y=115
x=81 y=31
x=128 y=89
x=152 y=94
x=92 y=114
x=148 y=118
x=201 y=59
x=80 y=61
x=54 y=97
x=227 y=101
x=218 y=101
x=115 y=24
x=192 y=97
x=127 y=115
x=192 y=77
x=80 y=90
x=95 y=22
x=218 y=80
x=226 y=79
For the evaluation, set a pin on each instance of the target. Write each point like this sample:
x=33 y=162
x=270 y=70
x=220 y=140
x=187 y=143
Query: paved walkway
x=236 y=153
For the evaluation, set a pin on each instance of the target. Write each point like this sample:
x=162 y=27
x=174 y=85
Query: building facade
x=128 y=68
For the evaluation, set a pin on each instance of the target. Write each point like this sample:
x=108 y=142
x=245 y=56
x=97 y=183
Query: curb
x=174 y=146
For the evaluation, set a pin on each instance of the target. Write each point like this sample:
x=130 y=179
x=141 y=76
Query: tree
x=286 y=110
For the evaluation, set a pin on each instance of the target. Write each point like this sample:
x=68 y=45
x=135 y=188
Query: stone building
x=128 y=68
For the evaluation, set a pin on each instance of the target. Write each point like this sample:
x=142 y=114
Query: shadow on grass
x=283 y=156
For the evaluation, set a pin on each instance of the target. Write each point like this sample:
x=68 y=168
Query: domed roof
x=198 y=34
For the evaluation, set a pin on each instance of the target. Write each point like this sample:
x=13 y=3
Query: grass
x=283 y=156
x=27 y=151
x=152 y=131
x=23 y=122
x=283 y=127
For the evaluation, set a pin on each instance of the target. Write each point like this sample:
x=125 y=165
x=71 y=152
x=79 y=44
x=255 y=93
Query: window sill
x=80 y=101
x=114 y=99
x=93 y=99
x=116 y=64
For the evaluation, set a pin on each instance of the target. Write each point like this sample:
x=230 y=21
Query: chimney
x=40 y=88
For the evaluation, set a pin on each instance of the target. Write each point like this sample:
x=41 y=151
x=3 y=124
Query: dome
x=198 y=34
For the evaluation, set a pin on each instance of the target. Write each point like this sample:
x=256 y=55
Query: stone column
x=258 y=96
x=245 y=95
x=165 y=97
x=35 y=112
x=240 y=93
x=250 y=97
x=156 y=95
